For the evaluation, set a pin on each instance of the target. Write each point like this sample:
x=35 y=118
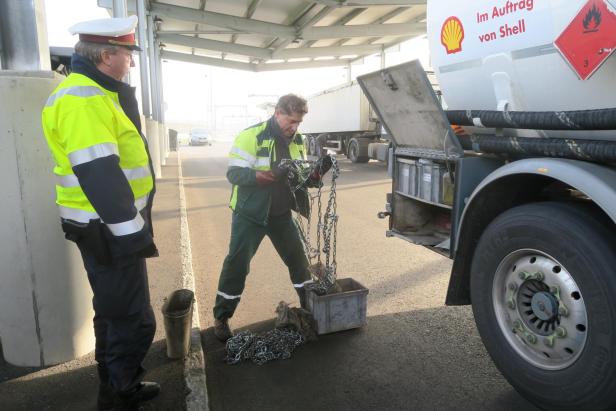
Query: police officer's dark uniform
x=104 y=191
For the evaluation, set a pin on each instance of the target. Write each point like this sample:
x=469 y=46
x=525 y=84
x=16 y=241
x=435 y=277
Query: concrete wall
x=45 y=299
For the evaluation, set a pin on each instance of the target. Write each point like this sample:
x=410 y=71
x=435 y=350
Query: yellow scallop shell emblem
x=452 y=35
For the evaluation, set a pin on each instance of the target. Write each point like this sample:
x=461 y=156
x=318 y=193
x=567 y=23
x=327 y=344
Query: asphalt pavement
x=413 y=354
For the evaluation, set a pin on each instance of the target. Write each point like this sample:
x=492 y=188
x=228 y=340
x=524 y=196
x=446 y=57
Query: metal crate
x=339 y=311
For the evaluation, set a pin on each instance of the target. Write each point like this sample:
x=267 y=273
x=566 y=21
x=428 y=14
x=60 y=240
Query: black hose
x=588 y=150
x=603 y=119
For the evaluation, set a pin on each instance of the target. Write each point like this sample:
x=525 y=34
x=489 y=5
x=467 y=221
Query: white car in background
x=200 y=137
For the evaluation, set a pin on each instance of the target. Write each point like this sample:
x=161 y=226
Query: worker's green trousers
x=245 y=239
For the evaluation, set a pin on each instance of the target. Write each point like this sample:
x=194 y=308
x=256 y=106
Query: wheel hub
x=540 y=309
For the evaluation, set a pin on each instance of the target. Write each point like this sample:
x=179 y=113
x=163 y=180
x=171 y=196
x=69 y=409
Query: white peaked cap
x=112 y=27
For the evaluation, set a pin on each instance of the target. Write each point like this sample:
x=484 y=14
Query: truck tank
x=525 y=55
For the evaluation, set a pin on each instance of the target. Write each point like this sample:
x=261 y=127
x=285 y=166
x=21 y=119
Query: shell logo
x=452 y=35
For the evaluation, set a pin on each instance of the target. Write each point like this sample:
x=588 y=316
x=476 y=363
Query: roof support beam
x=240 y=24
x=363 y=30
x=302 y=65
x=294 y=20
x=368 y=3
x=265 y=54
x=341 y=22
x=315 y=19
x=252 y=7
x=222 y=46
x=198 y=31
x=208 y=61
x=327 y=51
x=201 y=7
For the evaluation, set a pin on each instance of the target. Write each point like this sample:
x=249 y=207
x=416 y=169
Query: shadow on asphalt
x=71 y=387
x=419 y=360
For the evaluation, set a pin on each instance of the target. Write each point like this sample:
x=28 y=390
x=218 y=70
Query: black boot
x=222 y=330
x=130 y=400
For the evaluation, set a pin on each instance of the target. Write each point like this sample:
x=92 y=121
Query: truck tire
x=310 y=145
x=543 y=286
x=358 y=150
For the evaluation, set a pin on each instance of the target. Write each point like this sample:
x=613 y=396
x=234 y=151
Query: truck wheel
x=358 y=151
x=543 y=287
x=311 y=145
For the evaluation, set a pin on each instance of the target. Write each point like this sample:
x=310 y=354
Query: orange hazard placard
x=589 y=39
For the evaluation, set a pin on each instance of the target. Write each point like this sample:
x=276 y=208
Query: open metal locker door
x=426 y=150
x=404 y=100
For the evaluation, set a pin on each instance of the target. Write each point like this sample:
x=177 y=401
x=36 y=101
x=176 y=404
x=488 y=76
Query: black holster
x=90 y=236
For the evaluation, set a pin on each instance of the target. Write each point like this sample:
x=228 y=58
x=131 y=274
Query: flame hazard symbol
x=452 y=35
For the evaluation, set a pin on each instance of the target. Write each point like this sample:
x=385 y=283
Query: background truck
x=524 y=199
x=340 y=119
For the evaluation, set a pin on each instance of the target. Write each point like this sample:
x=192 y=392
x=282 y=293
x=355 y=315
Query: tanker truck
x=341 y=120
x=523 y=197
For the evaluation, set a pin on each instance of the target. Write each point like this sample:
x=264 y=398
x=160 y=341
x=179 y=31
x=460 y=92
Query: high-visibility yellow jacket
x=253 y=150
x=102 y=165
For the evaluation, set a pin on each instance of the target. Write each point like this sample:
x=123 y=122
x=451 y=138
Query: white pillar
x=45 y=299
x=153 y=136
x=162 y=131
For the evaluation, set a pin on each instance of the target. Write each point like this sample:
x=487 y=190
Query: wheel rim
x=540 y=309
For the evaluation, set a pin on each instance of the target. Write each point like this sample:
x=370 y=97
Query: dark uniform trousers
x=245 y=239
x=124 y=323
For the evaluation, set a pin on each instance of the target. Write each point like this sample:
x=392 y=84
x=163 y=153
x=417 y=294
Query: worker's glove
x=265 y=178
x=322 y=166
x=280 y=172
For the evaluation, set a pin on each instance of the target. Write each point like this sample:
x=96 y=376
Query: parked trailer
x=524 y=201
x=340 y=119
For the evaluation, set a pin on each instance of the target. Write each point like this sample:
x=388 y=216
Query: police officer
x=104 y=191
x=262 y=201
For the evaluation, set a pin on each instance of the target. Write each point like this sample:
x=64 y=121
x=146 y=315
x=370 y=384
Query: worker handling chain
x=104 y=190
x=295 y=327
x=262 y=201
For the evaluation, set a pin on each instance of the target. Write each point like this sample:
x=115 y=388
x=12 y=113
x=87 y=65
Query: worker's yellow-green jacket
x=252 y=151
x=102 y=165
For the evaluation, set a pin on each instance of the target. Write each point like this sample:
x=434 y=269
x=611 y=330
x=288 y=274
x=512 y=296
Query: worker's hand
x=265 y=178
x=323 y=165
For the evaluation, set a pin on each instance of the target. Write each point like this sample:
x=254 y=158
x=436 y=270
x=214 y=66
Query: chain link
x=276 y=344
x=300 y=172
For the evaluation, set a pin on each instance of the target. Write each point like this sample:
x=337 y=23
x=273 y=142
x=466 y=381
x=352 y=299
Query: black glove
x=324 y=164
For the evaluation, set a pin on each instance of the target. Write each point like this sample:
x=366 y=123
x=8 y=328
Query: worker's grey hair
x=291 y=104
x=94 y=51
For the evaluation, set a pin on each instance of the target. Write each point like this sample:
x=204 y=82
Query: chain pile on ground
x=276 y=344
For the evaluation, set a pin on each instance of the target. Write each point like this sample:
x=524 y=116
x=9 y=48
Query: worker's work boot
x=132 y=399
x=222 y=330
x=303 y=298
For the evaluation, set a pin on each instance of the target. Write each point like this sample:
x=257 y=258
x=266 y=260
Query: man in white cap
x=104 y=190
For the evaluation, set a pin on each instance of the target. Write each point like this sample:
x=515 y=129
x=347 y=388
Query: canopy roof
x=260 y=35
